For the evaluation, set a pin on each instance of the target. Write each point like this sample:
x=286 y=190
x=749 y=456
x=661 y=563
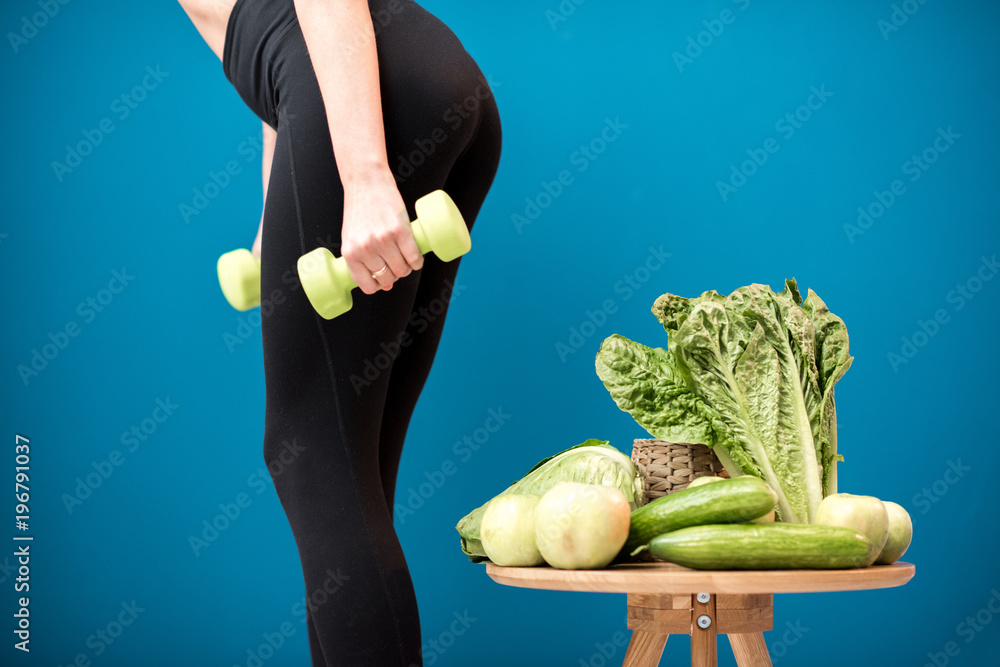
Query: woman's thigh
x=426 y=80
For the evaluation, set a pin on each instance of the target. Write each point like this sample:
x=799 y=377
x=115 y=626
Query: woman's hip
x=425 y=73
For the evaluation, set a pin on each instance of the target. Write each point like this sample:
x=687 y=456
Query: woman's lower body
x=340 y=393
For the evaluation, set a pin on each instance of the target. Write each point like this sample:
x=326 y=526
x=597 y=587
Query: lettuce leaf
x=750 y=375
x=647 y=383
x=833 y=358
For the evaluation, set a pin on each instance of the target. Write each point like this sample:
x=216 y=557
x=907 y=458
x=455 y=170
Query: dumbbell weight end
x=319 y=269
x=239 y=277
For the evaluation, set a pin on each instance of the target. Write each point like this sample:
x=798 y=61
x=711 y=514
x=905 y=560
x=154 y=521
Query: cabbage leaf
x=591 y=462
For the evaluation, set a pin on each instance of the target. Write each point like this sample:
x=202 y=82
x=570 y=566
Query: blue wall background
x=558 y=78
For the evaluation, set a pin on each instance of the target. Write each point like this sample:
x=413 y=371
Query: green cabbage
x=750 y=375
x=590 y=462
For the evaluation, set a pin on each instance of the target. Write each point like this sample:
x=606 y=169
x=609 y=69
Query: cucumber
x=725 y=501
x=775 y=546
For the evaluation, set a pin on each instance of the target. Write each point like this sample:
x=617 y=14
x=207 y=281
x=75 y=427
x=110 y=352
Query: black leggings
x=340 y=393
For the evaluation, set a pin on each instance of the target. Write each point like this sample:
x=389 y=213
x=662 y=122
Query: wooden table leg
x=654 y=617
x=704 y=625
x=749 y=649
x=644 y=649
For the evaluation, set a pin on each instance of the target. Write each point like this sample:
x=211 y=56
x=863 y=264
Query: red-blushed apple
x=581 y=526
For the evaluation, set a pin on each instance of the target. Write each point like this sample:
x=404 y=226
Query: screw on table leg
x=703 y=645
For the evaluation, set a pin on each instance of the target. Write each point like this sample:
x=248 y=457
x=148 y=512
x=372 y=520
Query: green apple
x=508 y=530
x=706 y=479
x=900 y=534
x=865 y=514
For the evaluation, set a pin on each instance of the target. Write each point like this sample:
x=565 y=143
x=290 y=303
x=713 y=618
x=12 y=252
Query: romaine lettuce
x=750 y=375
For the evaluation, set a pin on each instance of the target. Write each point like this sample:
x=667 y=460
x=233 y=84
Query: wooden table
x=665 y=599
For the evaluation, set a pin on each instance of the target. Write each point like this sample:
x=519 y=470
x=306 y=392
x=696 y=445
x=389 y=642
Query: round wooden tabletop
x=667 y=578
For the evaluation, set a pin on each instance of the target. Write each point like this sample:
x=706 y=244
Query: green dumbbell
x=239 y=276
x=439 y=227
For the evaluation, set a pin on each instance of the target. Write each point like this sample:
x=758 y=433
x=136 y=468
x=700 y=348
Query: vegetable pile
x=751 y=375
x=591 y=462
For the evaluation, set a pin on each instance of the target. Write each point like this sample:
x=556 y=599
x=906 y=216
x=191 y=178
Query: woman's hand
x=376 y=233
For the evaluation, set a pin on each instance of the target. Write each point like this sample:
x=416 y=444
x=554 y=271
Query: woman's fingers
x=357 y=266
x=384 y=262
x=377 y=240
x=384 y=276
x=372 y=273
x=407 y=245
x=393 y=258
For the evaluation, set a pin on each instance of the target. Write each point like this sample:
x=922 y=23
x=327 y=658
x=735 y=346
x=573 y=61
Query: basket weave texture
x=670 y=466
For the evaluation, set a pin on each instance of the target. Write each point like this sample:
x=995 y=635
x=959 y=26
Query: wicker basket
x=669 y=466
